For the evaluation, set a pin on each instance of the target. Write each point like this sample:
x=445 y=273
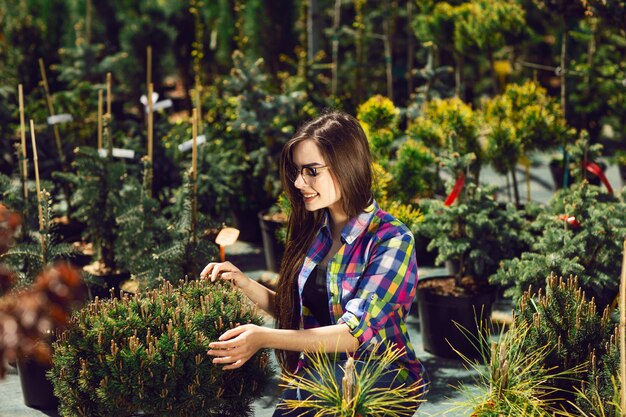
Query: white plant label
x=60 y=118
x=117 y=153
x=163 y=104
x=144 y=98
x=187 y=145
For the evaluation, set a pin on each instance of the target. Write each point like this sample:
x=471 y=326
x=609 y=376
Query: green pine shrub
x=580 y=339
x=582 y=232
x=148 y=353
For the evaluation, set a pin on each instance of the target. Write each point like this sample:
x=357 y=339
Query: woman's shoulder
x=384 y=225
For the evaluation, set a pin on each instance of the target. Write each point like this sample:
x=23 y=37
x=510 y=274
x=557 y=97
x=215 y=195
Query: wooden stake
x=194 y=168
x=149 y=66
x=622 y=333
x=35 y=161
x=100 y=105
x=109 y=94
x=55 y=127
x=20 y=91
x=150 y=121
x=199 y=108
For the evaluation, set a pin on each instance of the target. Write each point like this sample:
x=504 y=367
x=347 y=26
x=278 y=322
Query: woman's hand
x=226 y=271
x=237 y=345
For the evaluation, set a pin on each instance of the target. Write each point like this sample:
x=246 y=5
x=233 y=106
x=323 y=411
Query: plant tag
x=60 y=118
x=163 y=104
x=227 y=236
x=118 y=153
x=144 y=98
x=187 y=145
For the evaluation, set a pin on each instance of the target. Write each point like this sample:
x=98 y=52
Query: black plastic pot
x=36 y=388
x=443 y=316
x=100 y=285
x=622 y=173
x=272 y=247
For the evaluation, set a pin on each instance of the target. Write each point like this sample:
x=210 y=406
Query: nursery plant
x=39 y=250
x=147 y=354
x=581 y=339
x=580 y=234
x=97 y=181
x=27 y=317
x=476 y=232
x=179 y=250
x=355 y=394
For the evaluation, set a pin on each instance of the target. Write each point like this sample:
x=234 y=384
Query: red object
x=222 y=253
x=571 y=220
x=456 y=190
x=597 y=171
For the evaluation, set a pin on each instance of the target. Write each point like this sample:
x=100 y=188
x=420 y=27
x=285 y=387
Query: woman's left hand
x=237 y=345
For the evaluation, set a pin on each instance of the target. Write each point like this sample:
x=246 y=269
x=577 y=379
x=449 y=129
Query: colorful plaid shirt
x=371 y=281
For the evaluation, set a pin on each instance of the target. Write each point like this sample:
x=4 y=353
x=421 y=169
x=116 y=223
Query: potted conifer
x=472 y=236
x=147 y=354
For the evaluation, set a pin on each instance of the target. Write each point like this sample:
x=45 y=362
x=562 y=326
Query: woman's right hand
x=226 y=271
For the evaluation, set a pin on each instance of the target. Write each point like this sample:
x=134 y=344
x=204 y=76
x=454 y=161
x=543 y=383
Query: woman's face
x=320 y=190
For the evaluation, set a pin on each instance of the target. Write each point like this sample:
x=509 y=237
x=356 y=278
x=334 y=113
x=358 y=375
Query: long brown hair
x=345 y=149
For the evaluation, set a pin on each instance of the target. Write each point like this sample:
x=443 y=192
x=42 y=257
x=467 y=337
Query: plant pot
x=248 y=225
x=443 y=316
x=424 y=256
x=272 y=247
x=100 y=284
x=36 y=388
x=622 y=174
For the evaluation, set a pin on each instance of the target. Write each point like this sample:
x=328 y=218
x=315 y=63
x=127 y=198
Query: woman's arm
x=238 y=345
x=259 y=294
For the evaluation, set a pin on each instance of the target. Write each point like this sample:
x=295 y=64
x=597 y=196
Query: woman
x=348 y=275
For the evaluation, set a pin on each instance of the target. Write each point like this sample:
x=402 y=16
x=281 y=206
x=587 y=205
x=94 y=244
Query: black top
x=315 y=295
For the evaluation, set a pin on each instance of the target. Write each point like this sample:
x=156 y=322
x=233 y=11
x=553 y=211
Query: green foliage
x=185 y=251
x=355 y=394
x=379 y=118
x=263 y=121
x=476 y=231
x=147 y=354
x=511 y=380
x=561 y=317
x=39 y=249
x=413 y=171
x=581 y=234
x=97 y=182
x=448 y=126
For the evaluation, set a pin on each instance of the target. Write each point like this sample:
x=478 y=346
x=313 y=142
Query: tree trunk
x=335 y=45
x=314 y=30
x=410 y=46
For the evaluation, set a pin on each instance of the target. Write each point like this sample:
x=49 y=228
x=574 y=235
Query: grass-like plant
x=510 y=380
x=356 y=394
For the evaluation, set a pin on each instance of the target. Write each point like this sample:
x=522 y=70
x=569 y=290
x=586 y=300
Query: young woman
x=348 y=275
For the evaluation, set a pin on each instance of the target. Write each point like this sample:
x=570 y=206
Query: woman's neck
x=338 y=220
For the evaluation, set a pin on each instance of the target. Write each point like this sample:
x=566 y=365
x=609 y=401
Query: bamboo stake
x=20 y=91
x=109 y=94
x=55 y=127
x=149 y=65
x=622 y=333
x=150 y=121
x=36 y=162
x=100 y=105
x=194 y=167
x=199 y=107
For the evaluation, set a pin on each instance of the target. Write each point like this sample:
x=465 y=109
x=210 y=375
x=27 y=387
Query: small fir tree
x=580 y=234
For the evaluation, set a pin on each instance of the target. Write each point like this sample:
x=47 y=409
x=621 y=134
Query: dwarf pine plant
x=148 y=353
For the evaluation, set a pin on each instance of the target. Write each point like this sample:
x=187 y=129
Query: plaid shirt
x=370 y=281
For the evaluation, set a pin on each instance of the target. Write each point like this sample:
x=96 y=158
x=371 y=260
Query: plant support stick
x=55 y=127
x=622 y=333
x=100 y=105
x=20 y=91
x=35 y=161
x=194 y=167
